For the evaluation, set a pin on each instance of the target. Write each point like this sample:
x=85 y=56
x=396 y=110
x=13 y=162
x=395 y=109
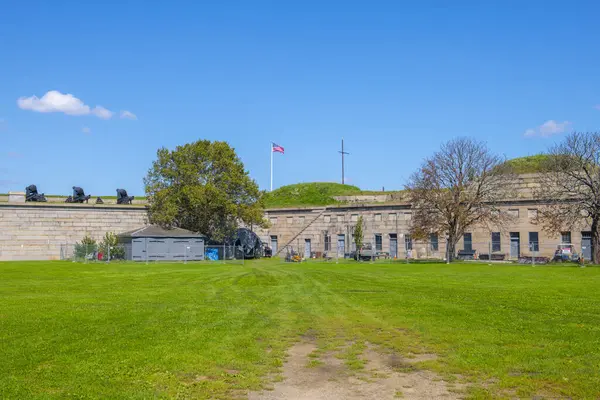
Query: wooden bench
x=495 y=257
x=466 y=255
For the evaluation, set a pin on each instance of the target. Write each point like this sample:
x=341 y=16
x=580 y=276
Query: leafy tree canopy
x=359 y=234
x=202 y=187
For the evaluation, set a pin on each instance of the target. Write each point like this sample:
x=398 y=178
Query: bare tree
x=459 y=187
x=570 y=187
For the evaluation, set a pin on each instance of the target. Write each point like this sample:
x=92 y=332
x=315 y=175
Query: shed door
x=179 y=249
x=586 y=245
x=158 y=249
x=138 y=249
x=197 y=250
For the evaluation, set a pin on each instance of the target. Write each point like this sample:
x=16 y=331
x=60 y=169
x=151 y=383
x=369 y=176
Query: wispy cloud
x=14 y=154
x=55 y=101
x=86 y=130
x=102 y=112
x=548 y=128
x=3 y=124
x=128 y=115
x=597 y=106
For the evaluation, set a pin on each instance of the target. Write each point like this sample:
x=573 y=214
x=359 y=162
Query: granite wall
x=37 y=231
x=389 y=225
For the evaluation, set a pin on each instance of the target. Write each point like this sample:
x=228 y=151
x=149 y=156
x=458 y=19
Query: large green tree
x=203 y=187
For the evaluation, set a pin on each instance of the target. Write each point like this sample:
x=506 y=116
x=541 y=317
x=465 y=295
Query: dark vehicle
x=267 y=252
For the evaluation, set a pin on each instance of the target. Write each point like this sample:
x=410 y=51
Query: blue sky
x=394 y=78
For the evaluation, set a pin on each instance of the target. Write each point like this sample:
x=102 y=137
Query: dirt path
x=331 y=379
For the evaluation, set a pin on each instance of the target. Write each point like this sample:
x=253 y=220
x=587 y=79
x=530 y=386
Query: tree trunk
x=451 y=251
x=595 y=240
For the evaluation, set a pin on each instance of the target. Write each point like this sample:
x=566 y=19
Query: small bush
x=86 y=249
x=111 y=241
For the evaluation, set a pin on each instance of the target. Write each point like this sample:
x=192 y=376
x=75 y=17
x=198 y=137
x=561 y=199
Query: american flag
x=277 y=148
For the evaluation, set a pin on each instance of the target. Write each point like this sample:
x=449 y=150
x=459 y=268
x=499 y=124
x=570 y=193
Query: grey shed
x=154 y=243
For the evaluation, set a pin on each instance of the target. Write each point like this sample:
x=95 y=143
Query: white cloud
x=128 y=115
x=55 y=101
x=86 y=130
x=548 y=128
x=102 y=112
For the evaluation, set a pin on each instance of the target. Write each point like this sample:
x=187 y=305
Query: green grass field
x=71 y=330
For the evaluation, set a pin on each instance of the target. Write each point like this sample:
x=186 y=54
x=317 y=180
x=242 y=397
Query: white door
x=306 y=248
x=274 y=244
x=341 y=246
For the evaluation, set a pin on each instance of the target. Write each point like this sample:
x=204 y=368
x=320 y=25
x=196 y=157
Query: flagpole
x=271 y=150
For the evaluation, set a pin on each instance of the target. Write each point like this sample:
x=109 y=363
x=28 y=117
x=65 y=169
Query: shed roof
x=158 y=231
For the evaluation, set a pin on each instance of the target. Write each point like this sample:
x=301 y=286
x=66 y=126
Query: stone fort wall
x=36 y=232
x=30 y=231
x=389 y=224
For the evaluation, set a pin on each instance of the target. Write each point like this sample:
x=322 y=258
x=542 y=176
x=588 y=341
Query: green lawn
x=71 y=330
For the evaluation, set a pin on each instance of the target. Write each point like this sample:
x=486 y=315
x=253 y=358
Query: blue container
x=212 y=253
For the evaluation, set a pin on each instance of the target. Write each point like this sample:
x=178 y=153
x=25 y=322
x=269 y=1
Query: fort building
x=30 y=231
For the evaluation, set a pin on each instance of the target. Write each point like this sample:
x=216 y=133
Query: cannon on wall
x=123 y=198
x=31 y=194
x=78 y=196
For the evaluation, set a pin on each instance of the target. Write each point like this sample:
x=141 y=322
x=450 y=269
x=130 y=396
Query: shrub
x=86 y=249
x=111 y=241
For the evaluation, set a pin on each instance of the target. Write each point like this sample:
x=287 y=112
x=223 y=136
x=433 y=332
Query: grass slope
x=308 y=194
x=527 y=165
x=213 y=331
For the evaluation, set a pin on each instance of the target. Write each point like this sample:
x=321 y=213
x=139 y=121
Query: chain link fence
x=340 y=250
x=390 y=248
x=401 y=248
x=83 y=252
